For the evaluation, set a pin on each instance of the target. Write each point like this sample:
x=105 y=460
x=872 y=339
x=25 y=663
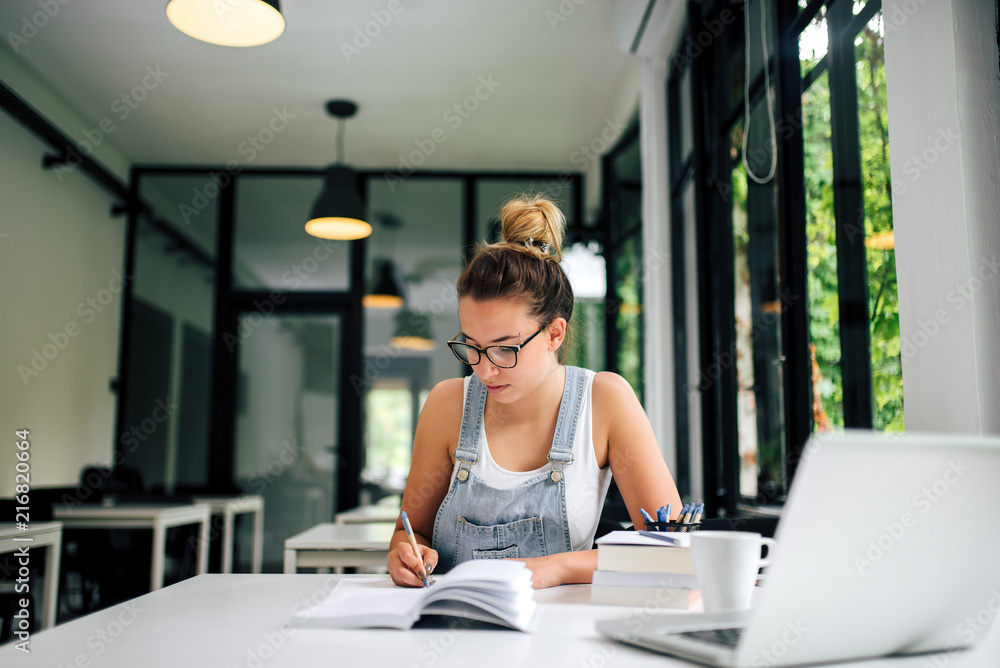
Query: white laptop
x=887 y=545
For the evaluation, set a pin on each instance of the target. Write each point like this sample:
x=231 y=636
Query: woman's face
x=507 y=322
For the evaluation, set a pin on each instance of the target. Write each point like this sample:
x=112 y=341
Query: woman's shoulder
x=445 y=400
x=609 y=386
x=448 y=390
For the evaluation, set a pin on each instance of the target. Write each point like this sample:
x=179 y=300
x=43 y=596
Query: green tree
x=887 y=382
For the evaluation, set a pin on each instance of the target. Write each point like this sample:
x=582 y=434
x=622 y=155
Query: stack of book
x=637 y=569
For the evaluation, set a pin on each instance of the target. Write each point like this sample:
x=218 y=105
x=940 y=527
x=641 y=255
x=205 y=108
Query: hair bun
x=535 y=224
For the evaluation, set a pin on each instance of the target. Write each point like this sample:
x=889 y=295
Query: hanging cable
x=339 y=157
x=767 y=91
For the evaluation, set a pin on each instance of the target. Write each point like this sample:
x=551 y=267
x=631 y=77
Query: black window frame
x=709 y=166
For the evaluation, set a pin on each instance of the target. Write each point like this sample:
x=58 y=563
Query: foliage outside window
x=887 y=382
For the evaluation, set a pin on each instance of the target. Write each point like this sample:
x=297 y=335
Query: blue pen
x=646 y=516
x=413 y=544
x=688 y=512
x=661 y=514
x=698 y=511
x=668 y=512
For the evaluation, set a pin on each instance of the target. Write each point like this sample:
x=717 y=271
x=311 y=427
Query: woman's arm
x=563 y=568
x=636 y=462
x=428 y=480
x=621 y=426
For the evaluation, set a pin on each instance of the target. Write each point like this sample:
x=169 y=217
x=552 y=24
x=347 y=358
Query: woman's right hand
x=403 y=564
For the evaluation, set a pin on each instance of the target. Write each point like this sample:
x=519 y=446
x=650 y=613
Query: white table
x=158 y=517
x=244 y=620
x=367 y=515
x=39 y=534
x=338 y=546
x=228 y=507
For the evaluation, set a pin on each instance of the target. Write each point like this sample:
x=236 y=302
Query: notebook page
x=362 y=602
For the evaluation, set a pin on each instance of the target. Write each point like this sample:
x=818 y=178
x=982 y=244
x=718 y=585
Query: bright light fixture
x=228 y=22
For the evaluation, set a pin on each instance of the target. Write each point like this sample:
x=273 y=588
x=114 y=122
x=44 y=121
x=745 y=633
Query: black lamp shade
x=387 y=291
x=338 y=212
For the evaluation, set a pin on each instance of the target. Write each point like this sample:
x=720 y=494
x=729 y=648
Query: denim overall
x=477 y=521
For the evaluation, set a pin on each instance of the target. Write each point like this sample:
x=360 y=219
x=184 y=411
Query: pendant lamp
x=413 y=331
x=882 y=241
x=339 y=212
x=387 y=290
x=243 y=23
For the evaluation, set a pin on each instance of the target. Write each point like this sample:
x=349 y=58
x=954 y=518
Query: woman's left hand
x=545 y=571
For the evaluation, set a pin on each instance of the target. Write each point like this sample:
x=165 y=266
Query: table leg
x=51 y=600
x=159 y=556
x=258 y=539
x=228 y=537
x=290 y=559
x=203 y=545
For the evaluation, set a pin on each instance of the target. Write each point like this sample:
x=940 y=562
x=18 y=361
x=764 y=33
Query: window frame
x=709 y=164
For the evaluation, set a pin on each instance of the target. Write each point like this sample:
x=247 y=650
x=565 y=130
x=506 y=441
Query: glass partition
x=418 y=227
x=286 y=422
x=171 y=315
x=271 y=248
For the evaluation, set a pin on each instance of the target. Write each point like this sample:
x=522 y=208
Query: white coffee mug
x=725 y=564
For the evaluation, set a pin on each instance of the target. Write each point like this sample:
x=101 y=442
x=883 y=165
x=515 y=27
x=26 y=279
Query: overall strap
x=561 y=453
x=467 y=452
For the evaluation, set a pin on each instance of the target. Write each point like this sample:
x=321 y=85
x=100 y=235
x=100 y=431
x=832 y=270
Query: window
x=794 y=277
x=623 y=251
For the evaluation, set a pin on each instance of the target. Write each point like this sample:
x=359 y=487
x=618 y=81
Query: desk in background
x=39 y=534
x=158 y=517
x=339 y=546
x=228 y=507
x=368 y=515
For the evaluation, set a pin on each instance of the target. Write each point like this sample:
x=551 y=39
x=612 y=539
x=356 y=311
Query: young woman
x=513 y=461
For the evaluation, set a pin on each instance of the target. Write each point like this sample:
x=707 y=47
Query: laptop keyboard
x=723 y=637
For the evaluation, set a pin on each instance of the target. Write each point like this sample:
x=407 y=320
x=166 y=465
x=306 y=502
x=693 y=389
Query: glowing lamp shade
x=413 y=331
x=882 y=241
x=244 y=23
x=387 y=291
x=338 y=212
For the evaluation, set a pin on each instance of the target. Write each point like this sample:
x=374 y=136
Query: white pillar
x=943 y=89
x=656 y=270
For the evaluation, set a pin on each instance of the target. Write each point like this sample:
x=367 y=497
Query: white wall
x=659 y=40
x=59 y=248
x=943 y=90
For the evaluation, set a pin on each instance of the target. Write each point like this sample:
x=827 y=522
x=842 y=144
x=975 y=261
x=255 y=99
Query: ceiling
x=548 y=74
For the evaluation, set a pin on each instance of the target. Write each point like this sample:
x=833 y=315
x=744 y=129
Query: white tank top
x=586 y=483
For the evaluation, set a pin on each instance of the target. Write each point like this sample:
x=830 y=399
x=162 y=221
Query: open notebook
x=494 y=591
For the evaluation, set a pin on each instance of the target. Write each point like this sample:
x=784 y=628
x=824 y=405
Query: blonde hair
x=524 y=265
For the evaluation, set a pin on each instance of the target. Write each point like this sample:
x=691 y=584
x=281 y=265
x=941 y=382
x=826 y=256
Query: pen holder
x=672 y=526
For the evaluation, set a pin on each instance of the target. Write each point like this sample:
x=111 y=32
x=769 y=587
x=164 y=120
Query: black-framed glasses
x=504 y=357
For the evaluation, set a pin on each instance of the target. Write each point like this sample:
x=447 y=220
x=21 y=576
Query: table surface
x=237 y=504
x=327 y=536
x=243 y=620
x=368 y=514
x=129 y=511
x=10 y=530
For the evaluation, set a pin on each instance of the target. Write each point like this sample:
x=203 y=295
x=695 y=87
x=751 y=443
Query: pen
x=413 y=543
x=687 y=515
x=660 y=535
x=661 y=514
x=668 y=512
x=697 y=512
x=646 y=516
